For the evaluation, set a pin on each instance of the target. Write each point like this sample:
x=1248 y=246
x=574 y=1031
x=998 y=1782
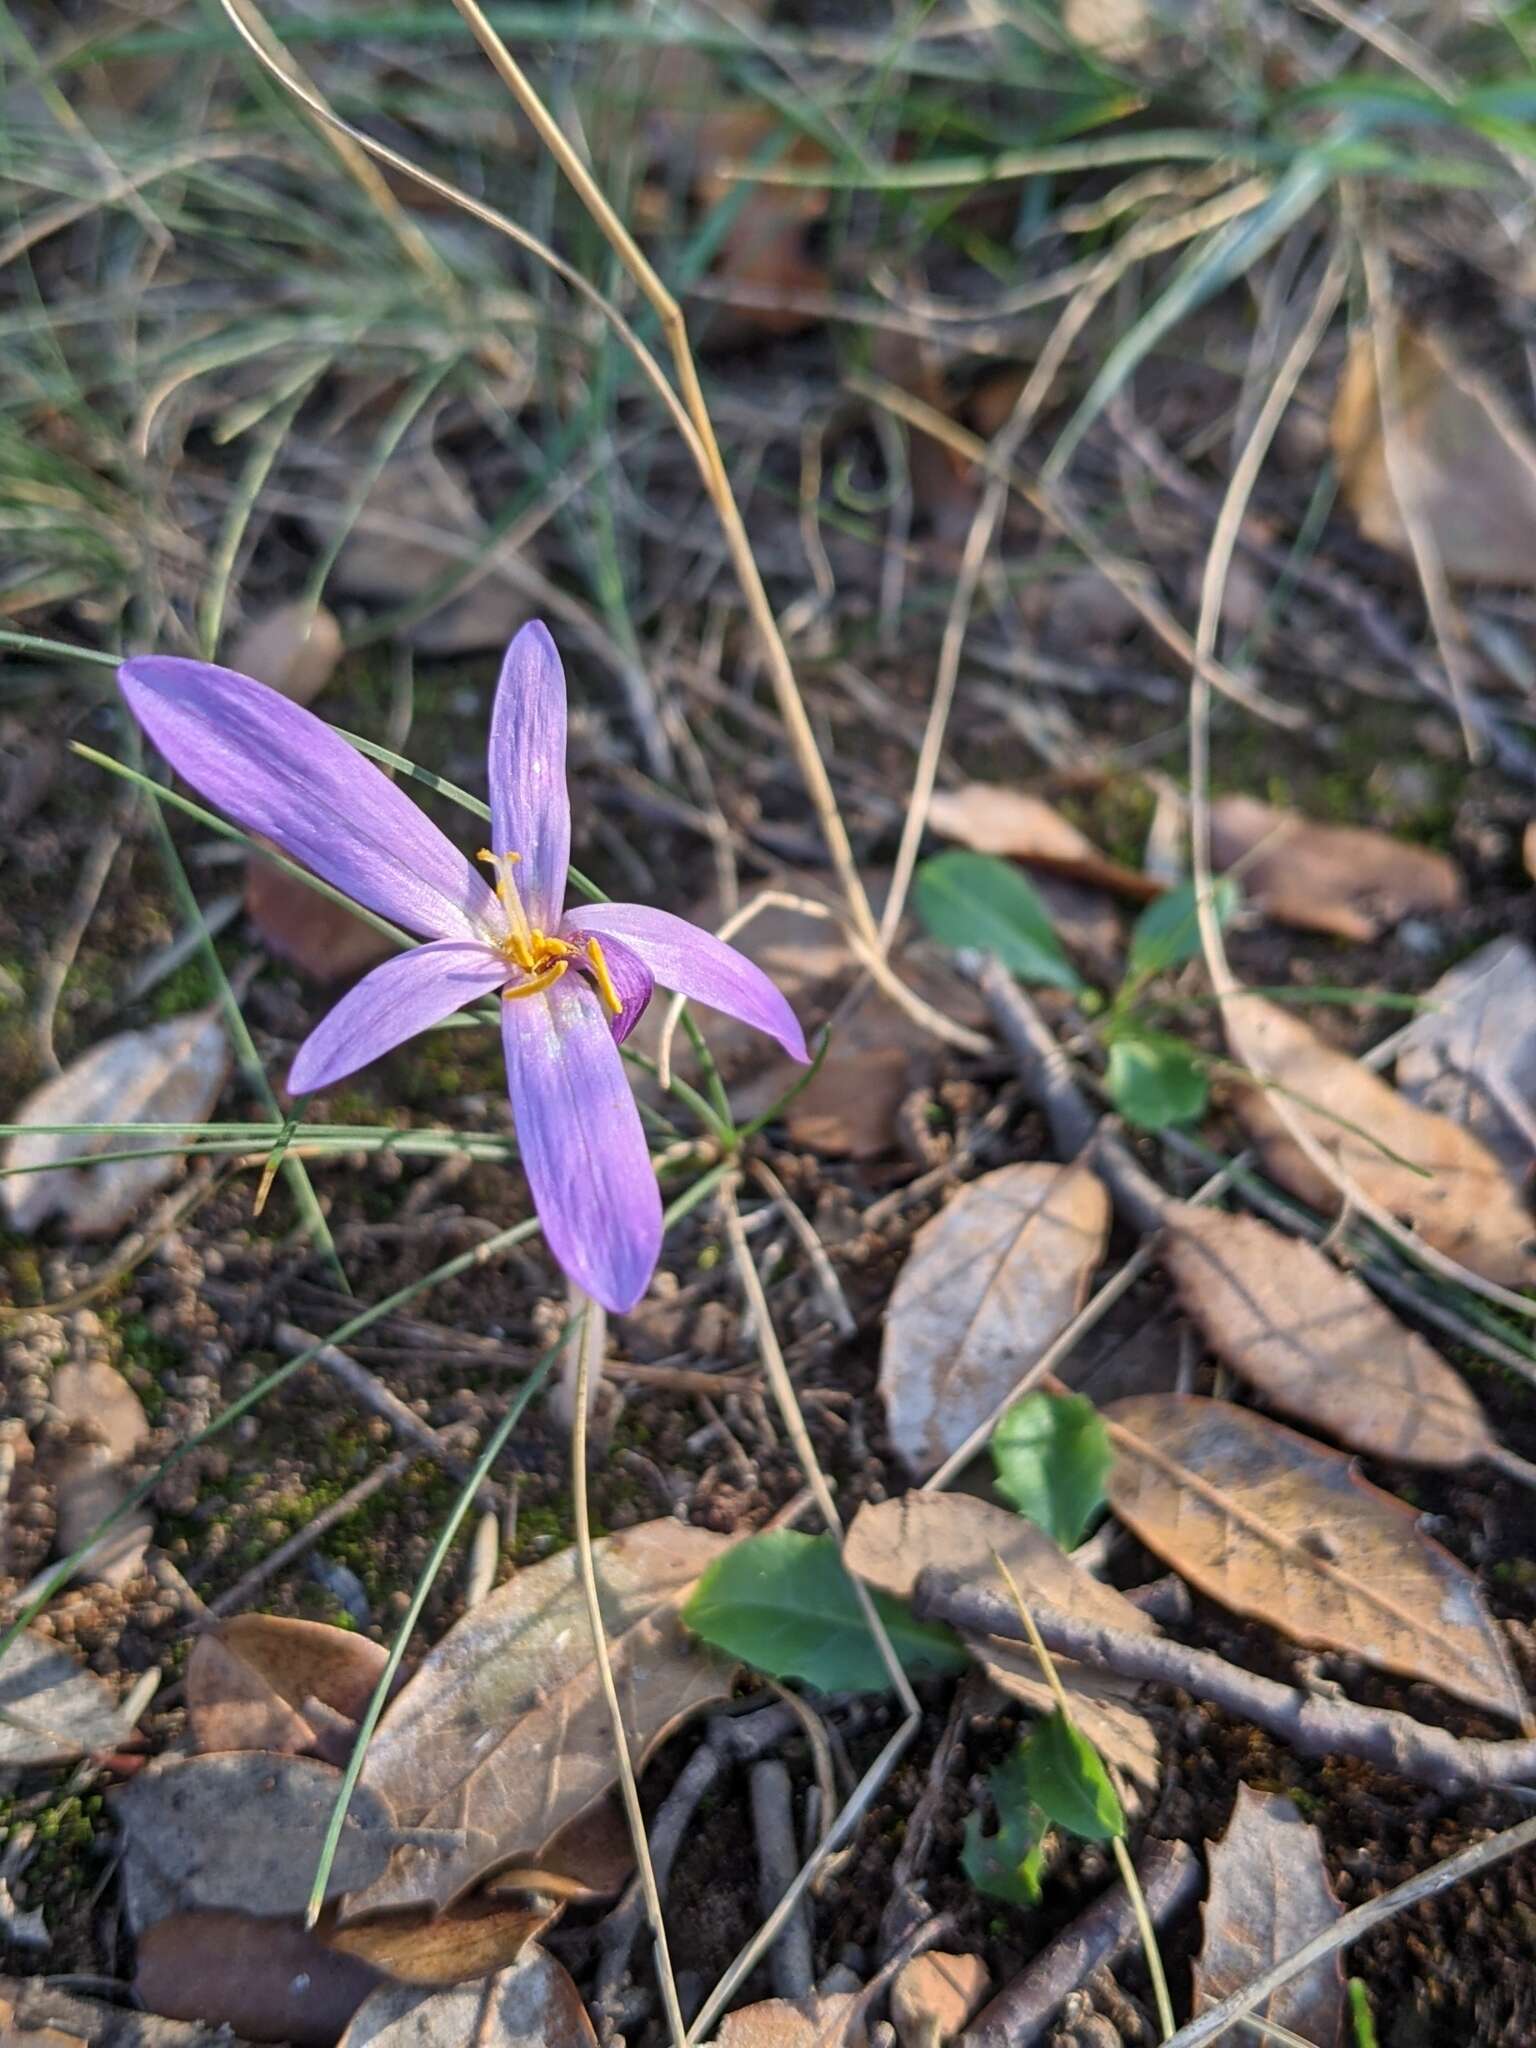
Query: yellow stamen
x=603 y=978
x=539 y=983
x=519 y=944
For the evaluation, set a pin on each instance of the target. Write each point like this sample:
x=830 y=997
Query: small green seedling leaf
x=1361 y=2022
x=783 y=1603
x=1154 y=1082
x=1167 y=933
x=1051 y=1453
x=974 y=900
x=1007 y=1865
x=1068 y=1782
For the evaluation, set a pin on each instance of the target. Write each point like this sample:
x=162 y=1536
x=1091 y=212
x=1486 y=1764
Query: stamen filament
x=539 y=983
x=520 y=940
x=603 y=978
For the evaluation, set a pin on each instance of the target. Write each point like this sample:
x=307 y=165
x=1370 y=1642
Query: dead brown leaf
x=250 y=1680
x=503 y=1732
x=988 y=1284
x=1342 y=879
x=833 y=2019
x=293 y=648
x=1316 y=1341
x=170 y=1073
x=532 y=2004
x=990 y=818
x=321 y=938
x=241 y=1830
x=1471 y=1053
x=1464 y=462
x=934 y=1996
x=1281 y=1529
x=1269 y=1894
x=892 y=1542
x=426 y=1947
x=1422 y=1167
x=52 y=1709
x=268 y=1979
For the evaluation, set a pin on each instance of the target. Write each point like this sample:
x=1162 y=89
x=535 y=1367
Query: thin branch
x=1305 y=1722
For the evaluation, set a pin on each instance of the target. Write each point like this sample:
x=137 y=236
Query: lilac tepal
x=573 y=983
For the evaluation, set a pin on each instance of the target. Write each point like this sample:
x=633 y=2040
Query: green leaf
x=1052 y=1452
x=1167 y=933
x=1068 y=1782
x=1154 y=1082
x=1006 y=1865
x=975 y=900
x=783 y=1603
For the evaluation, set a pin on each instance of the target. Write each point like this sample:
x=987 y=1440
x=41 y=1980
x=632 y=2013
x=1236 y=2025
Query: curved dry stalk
x=868 y=956
x=413 y=244
x=706 y=450
x=1105 y=274
x=492 y=216
x=1058 y=511
x=1224 y=982
x=858 y=1800
x=589 y=1351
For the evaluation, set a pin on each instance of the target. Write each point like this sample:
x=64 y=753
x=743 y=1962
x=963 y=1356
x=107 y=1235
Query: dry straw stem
x=706 y=449
x=858 y=1800
x=1455 y=1870
x=414 y=246
x=865 y=951
x=1057 y=510
x=1106 y=272
x=589 y=1355
x=491 y=215
x=1224 y=982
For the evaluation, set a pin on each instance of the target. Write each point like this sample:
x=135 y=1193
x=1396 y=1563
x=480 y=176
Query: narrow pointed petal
x=530 y=811
x=582 y=1142
x=633 y=984
x=694 y=963
x=407 y=994
x=276 y=769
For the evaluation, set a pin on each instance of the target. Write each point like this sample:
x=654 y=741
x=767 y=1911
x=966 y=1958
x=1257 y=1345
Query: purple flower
x=573 y=983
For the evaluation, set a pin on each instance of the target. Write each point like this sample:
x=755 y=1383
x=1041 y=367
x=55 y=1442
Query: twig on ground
x=828 y=1285
x=1045 y=1069
x=1022 y=2012
x=905 y=1906
x=773 y=1827
x=1310 y=1725
x=371 y=1390
x=730 y=1739
x=235 y=1598
x=1352 y=1926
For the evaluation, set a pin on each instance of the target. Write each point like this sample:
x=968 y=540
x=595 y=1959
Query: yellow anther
x=603 y=978
x=519 y=945
x=537 y=986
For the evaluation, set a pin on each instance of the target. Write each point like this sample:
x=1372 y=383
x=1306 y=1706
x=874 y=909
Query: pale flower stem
x=589 y=1352
x=1128 y=1877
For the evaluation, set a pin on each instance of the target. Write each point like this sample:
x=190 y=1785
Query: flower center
x=542 y=957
